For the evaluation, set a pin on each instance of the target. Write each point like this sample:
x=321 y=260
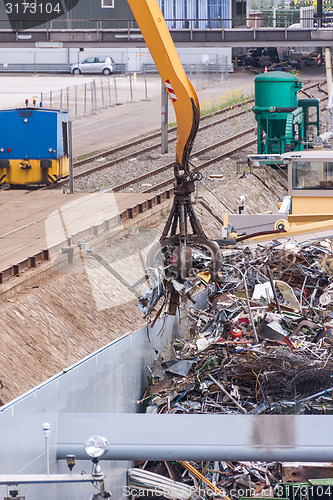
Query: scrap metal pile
x=200 y=480
x=263 y=344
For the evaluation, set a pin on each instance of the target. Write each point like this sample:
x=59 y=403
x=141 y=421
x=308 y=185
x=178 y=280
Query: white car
x=104 y=65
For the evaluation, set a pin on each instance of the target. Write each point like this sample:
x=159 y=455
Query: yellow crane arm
x=185 y=101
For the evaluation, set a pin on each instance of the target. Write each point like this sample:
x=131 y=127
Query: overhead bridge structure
x=186 y=37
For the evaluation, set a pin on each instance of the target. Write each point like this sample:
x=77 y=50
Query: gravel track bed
x=136 y=166
x=155 y=142
x=145 y=162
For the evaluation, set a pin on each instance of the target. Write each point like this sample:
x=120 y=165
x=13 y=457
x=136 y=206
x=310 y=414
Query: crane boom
x=186 y=104
x=184 y=98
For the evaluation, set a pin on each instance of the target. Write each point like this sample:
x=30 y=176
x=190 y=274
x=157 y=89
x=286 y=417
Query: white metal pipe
x=15 y=479
x=320 y=139
x=328 y=64
x=306 y=438
x=46 y=431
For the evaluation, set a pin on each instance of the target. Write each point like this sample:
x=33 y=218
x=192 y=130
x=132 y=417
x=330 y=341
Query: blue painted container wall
x=34 y=137
x=207 y=10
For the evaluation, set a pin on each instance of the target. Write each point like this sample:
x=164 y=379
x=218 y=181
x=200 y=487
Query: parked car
x=103 y=65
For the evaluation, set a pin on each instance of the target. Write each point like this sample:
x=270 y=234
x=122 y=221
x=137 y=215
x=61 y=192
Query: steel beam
x=233 y=37
x=16 y=479
x=306 y=438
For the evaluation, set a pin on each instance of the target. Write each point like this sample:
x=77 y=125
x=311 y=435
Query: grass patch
x=89 y=155
x=232 y=99
x=229 y=98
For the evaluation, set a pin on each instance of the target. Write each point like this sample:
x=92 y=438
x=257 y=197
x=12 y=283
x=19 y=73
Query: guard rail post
x=115 y=89
x=102 y=94
x=95 y=96
x=131 y=88
x=67 y=101
x=109 y=88
x=164 y=119
x=70 y=142
x=75 y=101
x=146 y=88
x=92 y=98
x=85 y=100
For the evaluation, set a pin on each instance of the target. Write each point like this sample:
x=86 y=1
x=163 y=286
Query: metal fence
x=202 y=75
x=283 y=18
x=36 y=67
x=101 y=93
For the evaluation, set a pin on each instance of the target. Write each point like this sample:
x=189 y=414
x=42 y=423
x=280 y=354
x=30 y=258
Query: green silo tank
x=275 y=98
x=276 y=88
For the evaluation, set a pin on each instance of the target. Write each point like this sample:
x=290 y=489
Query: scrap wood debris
x=263 y=344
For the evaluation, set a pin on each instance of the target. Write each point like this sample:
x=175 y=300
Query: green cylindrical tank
x=275 y=99
x=276 y=88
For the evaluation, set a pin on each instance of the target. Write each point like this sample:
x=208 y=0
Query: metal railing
x=103 y=92
x=202 y=75
x=286 y=18
x=35 y=67
x=100 y=93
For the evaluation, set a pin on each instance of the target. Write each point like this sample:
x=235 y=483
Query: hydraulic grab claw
x=186 y=104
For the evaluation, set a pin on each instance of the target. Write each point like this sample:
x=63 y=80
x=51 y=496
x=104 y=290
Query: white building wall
x=133 y=58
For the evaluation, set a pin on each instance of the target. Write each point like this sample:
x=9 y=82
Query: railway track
x=171 y=180
x=134 y=154
x=163 y=169
x=152 y=147
x=198 y=153
x=155 y=135
x=162 y=189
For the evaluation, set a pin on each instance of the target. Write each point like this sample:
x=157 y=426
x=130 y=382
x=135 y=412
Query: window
x=312 y=114
x=312 y=175
x=107 y=4
x=240 y=8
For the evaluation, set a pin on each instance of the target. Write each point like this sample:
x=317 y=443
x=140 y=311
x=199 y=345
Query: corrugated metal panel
x=104 y=382
x=169 y=13
x=180 y=14
x=192 y=9
x=226 y=13
x=202 y=13
x=87 y=9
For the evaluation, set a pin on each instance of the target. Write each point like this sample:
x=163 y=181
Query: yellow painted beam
x=150 y=20
x=313 y=227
